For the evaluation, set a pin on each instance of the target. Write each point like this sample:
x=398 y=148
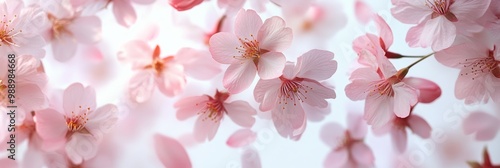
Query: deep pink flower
x=479 y=66
x=212 y=111
x=80 y=126
x=69 y=28
x=484 y=125
x=19 y=29
x=348 y=148
x=254 y=47
x=182 y=5
x=397 y=129
x=167 y=73
x=170 y=152
x=384 y=90
x=439 y=21
x=299 y=84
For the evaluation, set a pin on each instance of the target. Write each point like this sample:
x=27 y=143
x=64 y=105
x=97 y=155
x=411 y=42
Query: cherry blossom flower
x=211 y=111
x=484 y=125
x=170 y=152
x=167 y=73
x=298 y=85
x=370 y=47
x=182 y=5
x=348 y=148
x=384 y=90
x=397 y=129
x=80 y=127
x=479 y=77
x=19 y=33
x=486 y=161
x=254 y=47
x=69 y=28
x=439 y=22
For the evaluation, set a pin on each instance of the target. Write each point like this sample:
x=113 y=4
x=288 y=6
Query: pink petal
x=410 y=11
x=141 y=86
x=242 y=137
x=483 y=124
x=274 y=36
x=86 y=29
x=399 y=138
x=182 y=5
x=439 y=32
x=271 y=65
x=469 y=10
x=317 y=93
x=362 y=11
x=50 y=124
x=76 y=97
x=205 y=128
x=356 y=125
x=368 y=48
x=222 y=46
x=337 y=158
x=250 y=159
x=428 y=91
x=8 y=163
x=287 y=119
x=64 y=48
x=266 y=93
x=197 y=63
x=170 y=152
x=419 y=126
x=136 y=52
x=362 y=154
x=31 y=97
x=413 y=36
x=241 y=113
x=81 y=147
x=386 y=67
x=238 y=77
x=332 y=133
x=190 y=106
x=316 y=64
x=457 y=54
x=384 y=31
x=102 y=120
x=247 y=24
x=316 y=114
x=404 y=98
x=362 y=80
x=124 y=13
x=378 y=110
x=172 y=80
x=470 y=90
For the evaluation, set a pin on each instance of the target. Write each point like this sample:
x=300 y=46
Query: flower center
x=475 y=67
x=214 y=106
x=293 y=91
x=346 y=142
x=6 y=33
x=384 y=87
x=441 y=7
x=249 y=49
x=76 y=122
x=58 y=25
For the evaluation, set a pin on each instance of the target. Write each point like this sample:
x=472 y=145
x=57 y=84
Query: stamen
x=77 y=122
x=249 y=49
x=293 y=91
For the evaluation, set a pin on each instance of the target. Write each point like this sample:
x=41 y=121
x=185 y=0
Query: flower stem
x=421 y=59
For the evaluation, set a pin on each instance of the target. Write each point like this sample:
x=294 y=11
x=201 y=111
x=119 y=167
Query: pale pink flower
x=211 y=111
x=29 y=82
x=397 y=129
x=483 y=125
x=370 y=47
x=69 y=28
x=439 y=22
x=80 y=126
x=182 y=5
x=254 y=47
x=479 y=78
x=170 y=152
x=166 y=73
x=384 y=90
x=299 y=84
x=19 y=29
x=348 y=148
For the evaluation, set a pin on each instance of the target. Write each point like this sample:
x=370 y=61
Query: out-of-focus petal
x=336 y=158
x=170 y=152
x=362 y=154
x=332 y=133
x=419 y=126
x=124 y=13
x=86 y=29
x=241 y=138
x=50 y=124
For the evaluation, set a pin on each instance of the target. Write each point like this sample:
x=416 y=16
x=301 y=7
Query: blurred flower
x=211 y=111
x=348 y=148
x=483 y=125
x=254 y=47
x=439 y=21
x=486 y=161
x=299 y=84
